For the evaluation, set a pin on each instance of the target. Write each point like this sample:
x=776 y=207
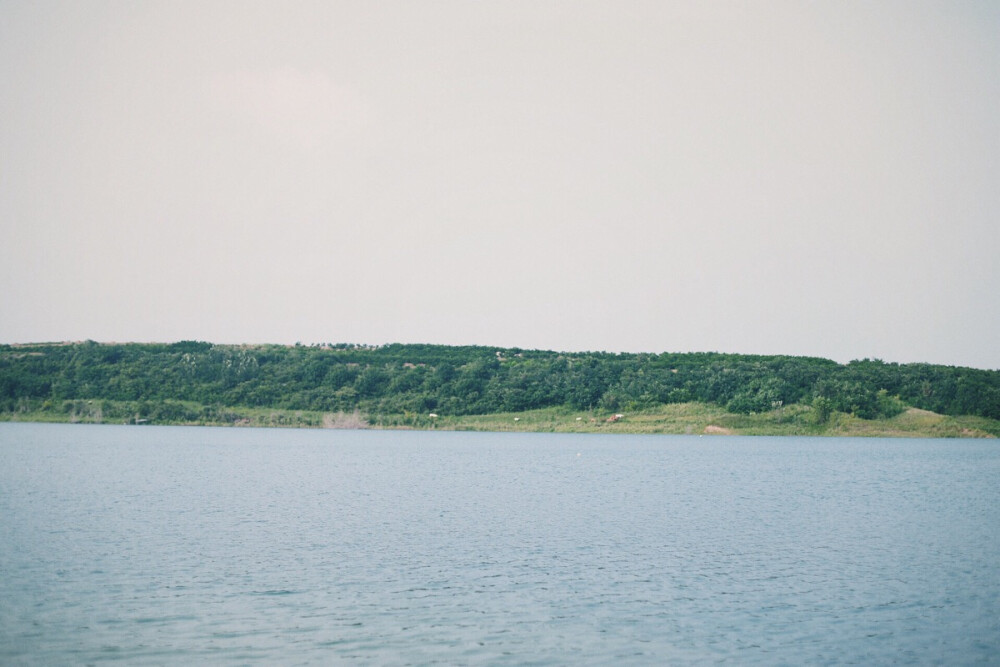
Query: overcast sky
x=808 y=178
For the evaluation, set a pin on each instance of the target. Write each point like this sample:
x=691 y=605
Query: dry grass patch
x=352 y=420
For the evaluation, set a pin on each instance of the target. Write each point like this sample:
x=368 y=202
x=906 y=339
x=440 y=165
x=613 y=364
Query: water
x=172 y=545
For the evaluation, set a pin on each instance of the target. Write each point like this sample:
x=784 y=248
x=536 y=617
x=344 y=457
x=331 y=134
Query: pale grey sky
x=811 y=178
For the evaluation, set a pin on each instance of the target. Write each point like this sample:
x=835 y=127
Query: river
x=178 y=545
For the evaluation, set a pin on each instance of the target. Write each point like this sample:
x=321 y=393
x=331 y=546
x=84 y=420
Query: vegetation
x=401 y=386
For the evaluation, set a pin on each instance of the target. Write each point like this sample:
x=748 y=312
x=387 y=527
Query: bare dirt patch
x=712 y=429
x=344 y=420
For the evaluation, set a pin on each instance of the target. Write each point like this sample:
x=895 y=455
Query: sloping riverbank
x=678 y=418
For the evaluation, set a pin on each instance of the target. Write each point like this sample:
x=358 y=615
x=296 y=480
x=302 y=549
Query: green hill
x=402 y=385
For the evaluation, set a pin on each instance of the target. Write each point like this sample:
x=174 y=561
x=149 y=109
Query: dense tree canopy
x=396 y=379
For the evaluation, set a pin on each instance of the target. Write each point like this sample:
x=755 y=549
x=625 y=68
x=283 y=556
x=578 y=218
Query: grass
x=705 y=419
x=179 y=413
x=677 y=418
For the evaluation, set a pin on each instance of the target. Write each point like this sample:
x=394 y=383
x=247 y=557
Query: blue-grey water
x=173 y=545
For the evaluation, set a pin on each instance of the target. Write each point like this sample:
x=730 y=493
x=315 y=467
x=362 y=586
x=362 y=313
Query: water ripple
x=157 y=546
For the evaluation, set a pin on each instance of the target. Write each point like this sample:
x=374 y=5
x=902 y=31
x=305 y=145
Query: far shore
x=674 y=419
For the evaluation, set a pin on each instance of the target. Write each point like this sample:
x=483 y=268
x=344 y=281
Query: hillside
x=401 y=385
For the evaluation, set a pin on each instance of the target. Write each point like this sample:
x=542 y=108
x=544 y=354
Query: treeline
x=400 y=379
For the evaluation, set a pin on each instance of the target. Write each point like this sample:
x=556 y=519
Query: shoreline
x=673 y=419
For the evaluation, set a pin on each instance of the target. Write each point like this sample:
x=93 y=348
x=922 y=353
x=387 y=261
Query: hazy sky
x=811 y=178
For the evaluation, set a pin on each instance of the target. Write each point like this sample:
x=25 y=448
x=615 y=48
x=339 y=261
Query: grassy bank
x=705 y=419
x=174 y=413
x=678 y=418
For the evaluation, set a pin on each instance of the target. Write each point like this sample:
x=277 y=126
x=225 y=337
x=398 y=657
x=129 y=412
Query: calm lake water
x=175 y=545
